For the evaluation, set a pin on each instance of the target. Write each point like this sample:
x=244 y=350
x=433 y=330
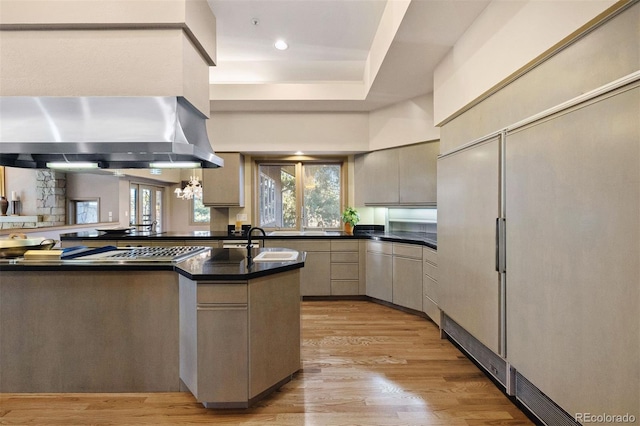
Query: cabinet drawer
x=167 y=243
x=430 y=270
x=344 y=245
x=300 y=245
x=431 y=309
x=344 y=257
x=131 y=243
x=344 y=287
x=222 y=293
x=344 y=271
x=203 y=243
x=379 y=247
x=91 y=243
x=407 y=250
x=430 y=288
x=430 y=255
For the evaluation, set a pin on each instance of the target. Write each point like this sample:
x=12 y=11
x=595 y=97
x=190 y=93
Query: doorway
x=146 y=204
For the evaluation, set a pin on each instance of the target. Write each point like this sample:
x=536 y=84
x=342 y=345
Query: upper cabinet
x=417 y=173
x=381 y=177
x=224 y=186
x=398 y=176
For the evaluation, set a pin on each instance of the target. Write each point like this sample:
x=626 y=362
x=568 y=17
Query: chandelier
x=191 y=189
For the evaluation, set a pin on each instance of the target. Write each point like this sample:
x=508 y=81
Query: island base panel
x=74 y=331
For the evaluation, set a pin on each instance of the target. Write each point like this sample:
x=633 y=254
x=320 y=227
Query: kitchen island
x=223 y=327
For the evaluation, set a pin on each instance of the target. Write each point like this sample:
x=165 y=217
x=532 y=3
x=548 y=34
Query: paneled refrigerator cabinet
x=468 y=207
x=539 y=254
x=573 y=239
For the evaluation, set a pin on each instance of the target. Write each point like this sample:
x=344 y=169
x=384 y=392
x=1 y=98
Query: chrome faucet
x=249 y=239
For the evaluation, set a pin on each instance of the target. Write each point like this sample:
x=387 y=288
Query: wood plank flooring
x=363 y=364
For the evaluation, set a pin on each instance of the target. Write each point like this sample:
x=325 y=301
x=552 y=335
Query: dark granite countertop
x=429 y=239
x=232 y=264
x=144 y=235
x=213 y=265
x=420 y=238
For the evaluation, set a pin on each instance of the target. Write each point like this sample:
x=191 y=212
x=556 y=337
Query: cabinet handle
x=221 y=307
x=501 y=252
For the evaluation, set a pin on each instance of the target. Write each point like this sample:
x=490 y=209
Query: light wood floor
x=363 y=364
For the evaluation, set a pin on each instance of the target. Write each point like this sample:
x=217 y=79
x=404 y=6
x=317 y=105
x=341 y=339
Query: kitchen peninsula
x=218 y=324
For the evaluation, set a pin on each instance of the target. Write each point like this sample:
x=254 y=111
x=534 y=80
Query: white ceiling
x=332 y=46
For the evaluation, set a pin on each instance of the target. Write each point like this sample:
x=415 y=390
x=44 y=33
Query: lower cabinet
x=222 y=363
x=380 y=270
x=394 y=273
x=315 y=277
x=214 y=340
x=239 y=340
x=407 y=276
x=430 y=284
x=345 y=267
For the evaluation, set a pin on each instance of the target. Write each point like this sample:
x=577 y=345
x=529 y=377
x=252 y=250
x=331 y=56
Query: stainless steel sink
x=276 y=256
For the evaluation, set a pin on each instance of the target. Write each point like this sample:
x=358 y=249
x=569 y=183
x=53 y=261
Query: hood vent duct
x=115 y=132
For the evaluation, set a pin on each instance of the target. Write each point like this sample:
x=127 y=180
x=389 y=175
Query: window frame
x=72 y=210
x=298 y=162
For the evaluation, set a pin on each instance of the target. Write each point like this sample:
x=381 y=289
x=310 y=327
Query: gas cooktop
x=143 y=254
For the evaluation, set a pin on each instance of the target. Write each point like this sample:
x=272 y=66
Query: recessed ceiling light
x=281 y=45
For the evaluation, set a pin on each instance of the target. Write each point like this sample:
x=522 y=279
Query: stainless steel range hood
x=115 y=132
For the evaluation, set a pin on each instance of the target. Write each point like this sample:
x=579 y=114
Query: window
x=83 y=211
x=200 y=214
x=299 y=195
x=267 y=199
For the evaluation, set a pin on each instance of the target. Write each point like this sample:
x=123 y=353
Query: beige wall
x=403 y=123
x=504 y=38
x=23 y=182
x=324 y=132
x=102 y=187
x=312 y=132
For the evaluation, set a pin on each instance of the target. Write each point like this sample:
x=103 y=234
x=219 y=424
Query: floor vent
x=492 y=363
x=541 y=405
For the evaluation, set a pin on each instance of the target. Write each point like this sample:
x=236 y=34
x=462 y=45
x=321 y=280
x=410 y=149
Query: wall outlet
x=241 y=216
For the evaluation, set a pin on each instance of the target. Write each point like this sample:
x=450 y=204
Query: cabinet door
x=224 y=186
x=430 y=284
x=380 y=276
x=417 y=173
x=359 y=180
x=223 y=366
x=468 y=205
x=573 y=295
x=407 y=282
x=315 y=276
x=381 y=171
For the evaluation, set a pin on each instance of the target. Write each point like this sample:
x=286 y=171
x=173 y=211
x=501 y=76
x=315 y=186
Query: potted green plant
x=350 y=217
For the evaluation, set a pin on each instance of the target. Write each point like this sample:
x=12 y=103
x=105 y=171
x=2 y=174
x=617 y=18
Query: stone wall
x=51 y=190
